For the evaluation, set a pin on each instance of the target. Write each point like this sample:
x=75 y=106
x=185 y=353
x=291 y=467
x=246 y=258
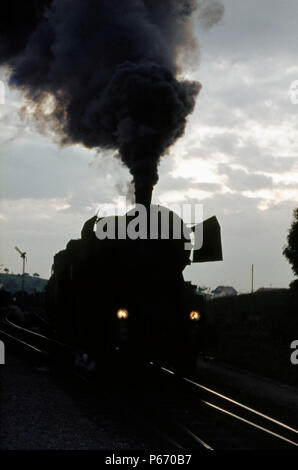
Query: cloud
x=170 y=183
x=39 y=226
x=241 y=180
x=253 y=30
x=249 y=236
x=34 y=167
x=238 y=156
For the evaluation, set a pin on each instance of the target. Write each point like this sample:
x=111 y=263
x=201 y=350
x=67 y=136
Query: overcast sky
x=238 y=157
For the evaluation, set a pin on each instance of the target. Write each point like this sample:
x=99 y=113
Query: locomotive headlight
x=194 y=315
x=122 y=314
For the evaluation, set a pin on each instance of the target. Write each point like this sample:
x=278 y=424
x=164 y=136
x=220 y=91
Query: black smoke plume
x=111 y=67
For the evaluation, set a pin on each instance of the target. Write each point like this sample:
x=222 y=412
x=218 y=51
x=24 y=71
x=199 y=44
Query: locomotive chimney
x=143 y=194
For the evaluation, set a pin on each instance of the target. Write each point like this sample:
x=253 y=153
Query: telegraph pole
x=252 y=278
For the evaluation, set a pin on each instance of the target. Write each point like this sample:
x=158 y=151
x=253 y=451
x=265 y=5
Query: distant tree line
x=291 y=250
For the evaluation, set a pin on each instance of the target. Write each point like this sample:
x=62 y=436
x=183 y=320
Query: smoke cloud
x=103 y=73
x=210 y=12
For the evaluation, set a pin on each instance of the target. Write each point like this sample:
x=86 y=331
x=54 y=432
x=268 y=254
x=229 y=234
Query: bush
x=254 y=331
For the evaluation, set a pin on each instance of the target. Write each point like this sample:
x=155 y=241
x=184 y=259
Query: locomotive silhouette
x=128 y=296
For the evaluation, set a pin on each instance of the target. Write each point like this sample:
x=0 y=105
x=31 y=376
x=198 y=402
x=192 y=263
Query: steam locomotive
x=125 y=295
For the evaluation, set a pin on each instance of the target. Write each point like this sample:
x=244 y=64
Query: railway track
x=269 y=431
x=170 y=434
x=185 y=413
x=35 y=342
